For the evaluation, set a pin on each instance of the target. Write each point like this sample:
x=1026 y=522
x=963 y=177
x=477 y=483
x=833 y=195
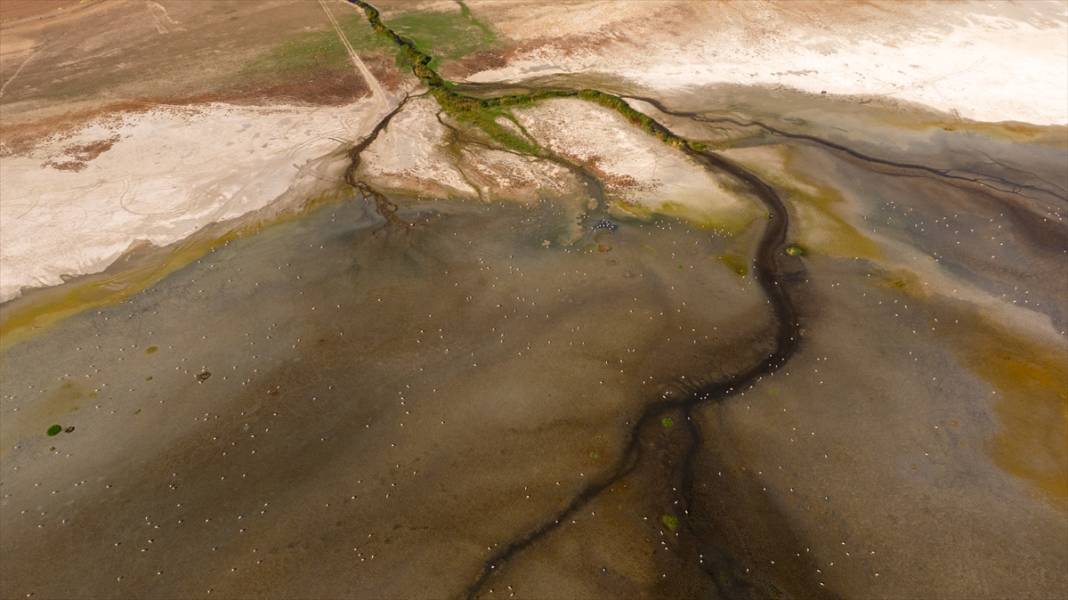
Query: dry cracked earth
x=734 y=300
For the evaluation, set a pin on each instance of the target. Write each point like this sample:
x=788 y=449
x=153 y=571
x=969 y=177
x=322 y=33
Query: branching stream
x=768 y=263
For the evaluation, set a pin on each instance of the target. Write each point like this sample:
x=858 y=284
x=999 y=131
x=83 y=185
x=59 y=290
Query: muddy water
x=334 y=407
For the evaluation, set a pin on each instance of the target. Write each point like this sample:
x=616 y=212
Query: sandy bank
x=985 y=62
x=76 y=203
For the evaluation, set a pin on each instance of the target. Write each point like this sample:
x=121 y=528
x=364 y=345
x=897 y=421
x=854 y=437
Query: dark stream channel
x=768 y=271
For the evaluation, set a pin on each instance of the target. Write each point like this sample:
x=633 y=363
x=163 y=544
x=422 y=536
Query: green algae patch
x=822 y=222
x=727 y=222
x=900 y=279
x=444 y=35
x=489 y=114
x=794 y=250
x=476 y=113
x=54 y=430
x=670 y=521
x=151 y=349
x=735 y=263
x=667 y=422
x=625 y=209
x=823 y=226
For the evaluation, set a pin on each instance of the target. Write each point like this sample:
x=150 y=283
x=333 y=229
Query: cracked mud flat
x=766 y=345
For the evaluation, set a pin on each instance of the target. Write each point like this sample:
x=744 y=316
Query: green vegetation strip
x=452 y=35
x=486 y=113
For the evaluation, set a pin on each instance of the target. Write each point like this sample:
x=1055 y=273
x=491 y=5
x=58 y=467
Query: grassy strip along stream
x=724 y=572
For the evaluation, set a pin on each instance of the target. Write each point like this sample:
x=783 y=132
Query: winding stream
x=768 y=265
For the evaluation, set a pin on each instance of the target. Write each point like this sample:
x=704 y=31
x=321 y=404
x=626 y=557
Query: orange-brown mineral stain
x=1030 y=391
x=1031 y=402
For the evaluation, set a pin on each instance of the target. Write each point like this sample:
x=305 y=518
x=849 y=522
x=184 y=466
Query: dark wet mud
x=377 y=396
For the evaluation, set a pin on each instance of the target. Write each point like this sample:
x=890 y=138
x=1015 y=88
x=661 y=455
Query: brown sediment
x=16 y=12
x=65 y=165
x=611 y=181
x=75 y=157
x=21 y=138
x=87 y=152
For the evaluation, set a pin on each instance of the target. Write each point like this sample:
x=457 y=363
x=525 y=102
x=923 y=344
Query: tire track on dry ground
x=3 y=88
x=361 y=68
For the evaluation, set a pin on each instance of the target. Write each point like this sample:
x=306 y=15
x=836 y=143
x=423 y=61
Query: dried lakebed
x=398 y=397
